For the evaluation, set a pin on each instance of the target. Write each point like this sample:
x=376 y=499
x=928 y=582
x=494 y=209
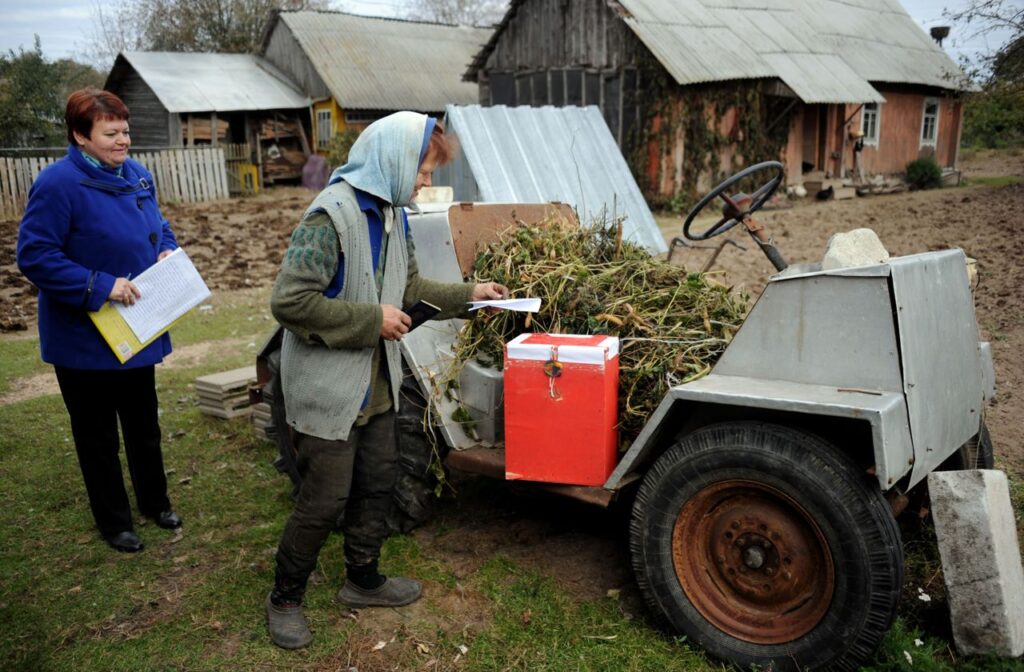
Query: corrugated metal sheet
x=385 y=64
x=186 y=82
x=541 y=154
x=822 y=78
x=827 y=51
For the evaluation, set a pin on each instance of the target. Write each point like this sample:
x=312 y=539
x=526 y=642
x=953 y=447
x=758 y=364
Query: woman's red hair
x=88 y=105
x=441 y=147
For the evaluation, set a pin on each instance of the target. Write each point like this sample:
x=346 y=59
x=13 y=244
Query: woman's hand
x=125 y=292
x=163 y=255
x=396 y=323
x=489 y=291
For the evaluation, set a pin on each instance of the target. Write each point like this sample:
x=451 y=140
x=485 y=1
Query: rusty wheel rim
x=752 y=562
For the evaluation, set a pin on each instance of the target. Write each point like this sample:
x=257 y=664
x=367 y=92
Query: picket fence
x=188 y=175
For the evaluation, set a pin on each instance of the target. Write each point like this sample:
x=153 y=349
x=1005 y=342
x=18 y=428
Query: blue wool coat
x=84 y=227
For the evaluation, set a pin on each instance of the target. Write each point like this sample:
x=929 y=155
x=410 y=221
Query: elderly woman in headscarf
x=346 y=277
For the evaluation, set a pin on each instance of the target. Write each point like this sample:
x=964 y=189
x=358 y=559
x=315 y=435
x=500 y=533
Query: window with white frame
x=870 y=115
x=323 y=128
x=930 y=122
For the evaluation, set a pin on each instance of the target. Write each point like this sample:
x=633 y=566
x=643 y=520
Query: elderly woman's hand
x=489 y=291
x=125 y=292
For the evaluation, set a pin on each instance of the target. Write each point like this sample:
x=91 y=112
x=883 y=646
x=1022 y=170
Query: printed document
x=523 y=305
x=170 y=288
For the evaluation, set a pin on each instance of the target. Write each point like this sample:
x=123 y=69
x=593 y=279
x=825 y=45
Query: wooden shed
x=188 y=99
x=358 y=68
x=693 y=89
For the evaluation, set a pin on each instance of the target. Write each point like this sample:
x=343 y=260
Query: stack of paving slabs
x=260 y=417
x=226 y=394
x=672 y=324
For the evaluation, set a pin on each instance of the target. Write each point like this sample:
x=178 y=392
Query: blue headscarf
x=386 y=157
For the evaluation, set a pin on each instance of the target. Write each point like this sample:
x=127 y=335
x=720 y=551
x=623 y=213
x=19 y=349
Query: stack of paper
x=226 y=394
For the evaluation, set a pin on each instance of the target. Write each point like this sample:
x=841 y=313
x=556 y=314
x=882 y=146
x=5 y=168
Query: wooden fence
x=181 y=175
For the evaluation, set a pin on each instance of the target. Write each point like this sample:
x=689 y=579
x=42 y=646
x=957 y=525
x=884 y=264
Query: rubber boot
x=287 y=625
x=394 y=592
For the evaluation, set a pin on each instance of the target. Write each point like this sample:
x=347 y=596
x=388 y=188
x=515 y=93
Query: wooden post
x=190 y=138
x=214 y=130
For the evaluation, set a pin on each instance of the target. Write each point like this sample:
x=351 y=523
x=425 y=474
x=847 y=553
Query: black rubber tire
x=815 y=480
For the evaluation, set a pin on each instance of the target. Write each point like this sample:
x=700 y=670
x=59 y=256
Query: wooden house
x=693 y=89
x=357 y=69
x=188 y=99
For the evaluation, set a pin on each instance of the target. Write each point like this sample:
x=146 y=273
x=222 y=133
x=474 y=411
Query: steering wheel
x=735 y=208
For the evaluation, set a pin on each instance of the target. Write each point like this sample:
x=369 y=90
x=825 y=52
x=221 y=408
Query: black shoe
x=126 y=542
x=168 y=520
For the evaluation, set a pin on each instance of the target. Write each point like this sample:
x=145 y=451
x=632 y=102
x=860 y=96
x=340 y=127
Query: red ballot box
x=561 y=408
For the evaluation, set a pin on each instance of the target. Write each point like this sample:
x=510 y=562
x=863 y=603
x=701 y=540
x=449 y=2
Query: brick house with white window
x=810 y=73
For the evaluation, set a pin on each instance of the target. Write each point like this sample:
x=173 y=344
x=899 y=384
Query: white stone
x=859 y=247
x=977 y=537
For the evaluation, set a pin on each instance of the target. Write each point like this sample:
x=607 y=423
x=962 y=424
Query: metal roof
x=189 y=82
x=387 y=64
x=542 y=154
x=827 y=51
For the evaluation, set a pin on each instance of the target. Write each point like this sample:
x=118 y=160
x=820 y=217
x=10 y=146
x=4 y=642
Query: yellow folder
x=170 y=287
x=118 y=335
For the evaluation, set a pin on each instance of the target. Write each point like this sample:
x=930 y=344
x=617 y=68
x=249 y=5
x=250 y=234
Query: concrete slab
x=977 y=538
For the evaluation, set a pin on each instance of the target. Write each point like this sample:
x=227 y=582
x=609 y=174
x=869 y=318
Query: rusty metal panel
x=939 y=350
x=474 y=225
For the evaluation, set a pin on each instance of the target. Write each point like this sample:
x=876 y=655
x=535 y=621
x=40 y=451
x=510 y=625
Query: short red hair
x=88 y=105
x=441 y=147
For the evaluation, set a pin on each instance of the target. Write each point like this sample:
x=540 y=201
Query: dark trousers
x=352 y=479
x=96 y=400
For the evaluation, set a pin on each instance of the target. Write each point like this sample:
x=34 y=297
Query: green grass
x=239 y=315
x=21 y=358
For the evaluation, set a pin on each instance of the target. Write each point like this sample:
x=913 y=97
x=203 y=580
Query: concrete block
x=981 y=560
x=859 y=247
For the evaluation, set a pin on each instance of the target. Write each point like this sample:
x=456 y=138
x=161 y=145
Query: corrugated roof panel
x=660 y=12
x=567 y=154
x=189 y=82
x=387 y=64
x=716 y=40
x=712 y=54
x=822 y=78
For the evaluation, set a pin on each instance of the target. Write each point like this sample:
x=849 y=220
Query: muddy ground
x=238 y=244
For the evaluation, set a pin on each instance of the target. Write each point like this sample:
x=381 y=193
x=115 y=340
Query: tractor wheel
x=767 y=546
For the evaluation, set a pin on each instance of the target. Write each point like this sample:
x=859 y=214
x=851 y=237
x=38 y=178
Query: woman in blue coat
x=92 y=223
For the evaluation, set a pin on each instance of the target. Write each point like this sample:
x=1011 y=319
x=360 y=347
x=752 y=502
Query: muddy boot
x=287 y=624
x=393 y=592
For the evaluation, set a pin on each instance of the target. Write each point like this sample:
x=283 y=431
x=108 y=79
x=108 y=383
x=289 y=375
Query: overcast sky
x=65 y=27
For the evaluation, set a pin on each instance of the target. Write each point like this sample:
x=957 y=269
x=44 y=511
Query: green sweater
x=299 y=304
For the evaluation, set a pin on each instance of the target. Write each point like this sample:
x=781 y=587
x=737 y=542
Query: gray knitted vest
x=323 y=388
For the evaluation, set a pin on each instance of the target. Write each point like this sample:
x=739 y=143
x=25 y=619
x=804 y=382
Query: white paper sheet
x=522 y=305
x=170 y=288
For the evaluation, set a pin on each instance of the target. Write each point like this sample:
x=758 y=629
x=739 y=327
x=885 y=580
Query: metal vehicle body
x=763 y=495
